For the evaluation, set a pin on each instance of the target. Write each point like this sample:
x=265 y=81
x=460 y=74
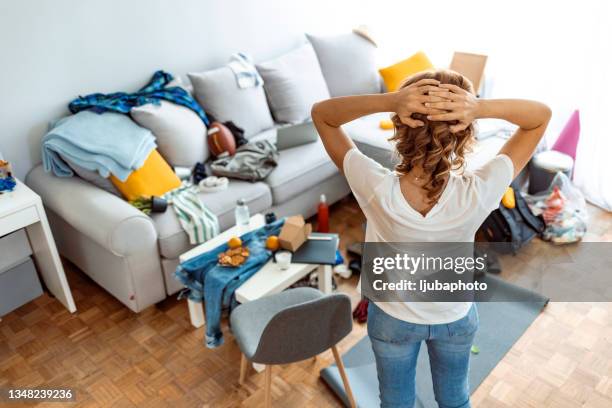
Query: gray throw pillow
x=179 y=132
x=218 y=93
x=348 y=62
x=293 y=83
x=94 y=178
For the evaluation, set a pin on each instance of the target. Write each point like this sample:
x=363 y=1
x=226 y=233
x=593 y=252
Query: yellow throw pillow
x=154 y=178
x=394 y=75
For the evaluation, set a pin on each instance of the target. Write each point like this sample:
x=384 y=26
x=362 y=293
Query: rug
x=501 y=325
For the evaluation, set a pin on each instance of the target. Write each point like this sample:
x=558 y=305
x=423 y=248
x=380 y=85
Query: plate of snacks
x=236 y=255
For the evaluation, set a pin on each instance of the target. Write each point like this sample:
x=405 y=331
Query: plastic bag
x=563 y=208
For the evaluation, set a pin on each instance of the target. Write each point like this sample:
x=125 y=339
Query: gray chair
x=291 y=326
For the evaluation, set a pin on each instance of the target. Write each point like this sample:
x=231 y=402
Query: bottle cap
x=240 y=201
x=323 y=198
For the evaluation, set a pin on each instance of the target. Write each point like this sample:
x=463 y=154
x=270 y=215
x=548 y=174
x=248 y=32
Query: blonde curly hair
x=433 y=147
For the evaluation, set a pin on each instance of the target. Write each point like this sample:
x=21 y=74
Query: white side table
x=23 y=208
x=268 y=280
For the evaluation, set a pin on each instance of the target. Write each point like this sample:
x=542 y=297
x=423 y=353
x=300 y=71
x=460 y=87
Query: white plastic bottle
x=242 y=213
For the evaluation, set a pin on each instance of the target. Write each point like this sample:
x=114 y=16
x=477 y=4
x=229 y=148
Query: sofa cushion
x=348 y=62
x=173 y=240
x=179 y=132
x=219 y=95
x=371 y=139
x=395 y=74
x=293 y=83
x=299 y=168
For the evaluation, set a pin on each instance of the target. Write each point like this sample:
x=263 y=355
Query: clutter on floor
x=491 y=343
x=563 y=208
x=543 y=168
x=515 y=225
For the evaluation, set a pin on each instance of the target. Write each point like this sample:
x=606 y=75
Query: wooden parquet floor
x=116 y=358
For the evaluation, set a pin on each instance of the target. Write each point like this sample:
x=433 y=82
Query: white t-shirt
x=464 y=204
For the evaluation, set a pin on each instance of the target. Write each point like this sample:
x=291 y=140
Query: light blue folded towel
x=109 y=143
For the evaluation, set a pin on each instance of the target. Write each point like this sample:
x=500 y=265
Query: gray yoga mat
x=501 y=325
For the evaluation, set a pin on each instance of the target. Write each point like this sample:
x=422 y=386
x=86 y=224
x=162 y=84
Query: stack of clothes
x=100 y=138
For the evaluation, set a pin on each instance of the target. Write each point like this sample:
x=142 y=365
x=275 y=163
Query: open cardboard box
x=294 y=233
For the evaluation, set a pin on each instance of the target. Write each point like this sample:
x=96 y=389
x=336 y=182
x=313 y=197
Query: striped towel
x=197 y=220
x=245 y=72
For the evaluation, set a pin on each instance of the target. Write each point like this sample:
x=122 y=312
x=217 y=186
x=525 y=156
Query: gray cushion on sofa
x=371 y=139
x=173 y=240
x=179 y=132
x=94 y=178
x=348 y=62
x=293 y=83
x=218 y=93
x=299 y=168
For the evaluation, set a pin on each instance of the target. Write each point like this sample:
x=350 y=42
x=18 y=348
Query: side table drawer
x=17 y=220
x=14 y=249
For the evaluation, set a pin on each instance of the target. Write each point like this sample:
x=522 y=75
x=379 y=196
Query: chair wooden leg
x=244 y=367
x=345 y=381
x=268 y=403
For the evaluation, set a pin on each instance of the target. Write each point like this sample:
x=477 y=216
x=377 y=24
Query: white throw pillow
x=179 y=132
x=348 y=62
x=218 y=93
x=293 y=83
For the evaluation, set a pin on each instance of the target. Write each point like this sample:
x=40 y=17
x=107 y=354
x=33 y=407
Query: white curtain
x=558 y=52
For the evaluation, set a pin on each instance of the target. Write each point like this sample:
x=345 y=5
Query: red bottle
x=323 y=215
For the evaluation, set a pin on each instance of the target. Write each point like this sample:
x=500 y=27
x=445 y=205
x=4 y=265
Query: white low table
x=268 y=280
x=23 y=208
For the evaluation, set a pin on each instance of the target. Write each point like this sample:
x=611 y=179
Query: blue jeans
x=396 y=345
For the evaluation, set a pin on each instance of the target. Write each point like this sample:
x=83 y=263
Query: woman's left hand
x=460 y=105
x=414 y=99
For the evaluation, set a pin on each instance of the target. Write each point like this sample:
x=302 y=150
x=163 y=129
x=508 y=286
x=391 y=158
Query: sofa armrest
x=105 y=218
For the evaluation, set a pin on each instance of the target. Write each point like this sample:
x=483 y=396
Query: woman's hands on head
x=457 y=104
x=418 y=98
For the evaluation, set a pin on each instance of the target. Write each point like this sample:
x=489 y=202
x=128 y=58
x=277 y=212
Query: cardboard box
x=294 y=233
x=471 y=66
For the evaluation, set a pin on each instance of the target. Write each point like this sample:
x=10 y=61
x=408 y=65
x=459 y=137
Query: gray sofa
x=133 y=256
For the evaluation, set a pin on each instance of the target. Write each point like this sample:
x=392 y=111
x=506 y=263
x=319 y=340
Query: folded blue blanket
x=109 y=143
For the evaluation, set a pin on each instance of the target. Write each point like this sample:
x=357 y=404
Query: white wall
x=52 y=51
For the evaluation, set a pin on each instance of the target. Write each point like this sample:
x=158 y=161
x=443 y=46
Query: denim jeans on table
x=396 y=345
x=215 y=285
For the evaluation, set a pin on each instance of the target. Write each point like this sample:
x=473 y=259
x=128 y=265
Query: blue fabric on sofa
x=109 y=144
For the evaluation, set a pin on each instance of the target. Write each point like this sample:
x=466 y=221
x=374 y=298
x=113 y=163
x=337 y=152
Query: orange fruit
x=272 y=243
x=234 y=242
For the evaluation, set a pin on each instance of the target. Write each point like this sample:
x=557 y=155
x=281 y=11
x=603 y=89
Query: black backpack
x=516 y=226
